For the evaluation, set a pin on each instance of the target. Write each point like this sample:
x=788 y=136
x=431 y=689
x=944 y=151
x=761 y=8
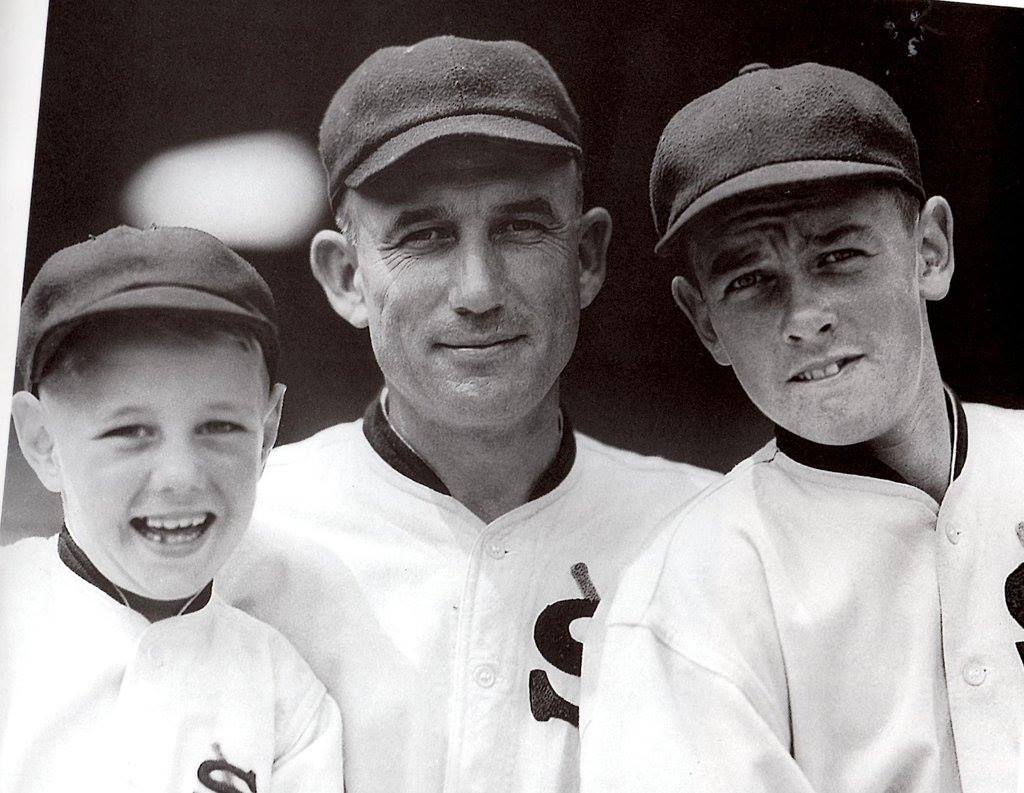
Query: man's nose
x=479 y=281
x=809 y=313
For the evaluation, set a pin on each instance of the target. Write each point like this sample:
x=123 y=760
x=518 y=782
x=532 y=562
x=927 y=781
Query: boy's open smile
x=824 y=369
x=171 y=530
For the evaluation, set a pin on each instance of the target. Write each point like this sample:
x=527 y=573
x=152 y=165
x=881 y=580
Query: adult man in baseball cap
x=844 y=611
x=430 y=560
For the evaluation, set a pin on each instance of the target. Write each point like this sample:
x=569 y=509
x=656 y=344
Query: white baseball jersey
x=452 y=645
x=95 y=698
x=803 y=629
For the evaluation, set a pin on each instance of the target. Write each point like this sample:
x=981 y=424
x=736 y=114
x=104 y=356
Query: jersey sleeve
x=686 y=688
x=314 y=761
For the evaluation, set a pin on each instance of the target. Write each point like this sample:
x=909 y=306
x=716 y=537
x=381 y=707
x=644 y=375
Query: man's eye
x=522 y=228
x=133 y=432
x=834 y=257
x=219 y=428
x=424 y=238
x=745 y=281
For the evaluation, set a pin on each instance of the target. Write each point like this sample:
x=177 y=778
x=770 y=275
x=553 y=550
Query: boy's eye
x=745 y=281
x=834 y=257
x=219 y=428
x=135 y=432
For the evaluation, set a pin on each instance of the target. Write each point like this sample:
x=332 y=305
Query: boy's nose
x=178 y=470
x=809 y=315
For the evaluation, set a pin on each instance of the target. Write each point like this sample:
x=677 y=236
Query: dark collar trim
x=153 y=610
x=393 y=450
x=858 y=460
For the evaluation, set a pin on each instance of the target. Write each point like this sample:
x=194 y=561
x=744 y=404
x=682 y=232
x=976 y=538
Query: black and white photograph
x=512 y=396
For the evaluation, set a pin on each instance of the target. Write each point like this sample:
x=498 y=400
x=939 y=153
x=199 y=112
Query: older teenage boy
x=843 y=612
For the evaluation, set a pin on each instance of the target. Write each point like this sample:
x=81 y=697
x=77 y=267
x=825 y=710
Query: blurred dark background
x=123 y=82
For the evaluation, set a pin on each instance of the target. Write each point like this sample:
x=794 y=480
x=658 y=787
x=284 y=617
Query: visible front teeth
x=819 y=374
x=180 y=523
x=173 y=531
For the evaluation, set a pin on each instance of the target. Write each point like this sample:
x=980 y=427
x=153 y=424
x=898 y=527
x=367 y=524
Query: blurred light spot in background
x=258 y=191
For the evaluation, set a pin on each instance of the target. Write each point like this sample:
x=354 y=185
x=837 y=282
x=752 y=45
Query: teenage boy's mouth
x=177 y=530
x=823 y=371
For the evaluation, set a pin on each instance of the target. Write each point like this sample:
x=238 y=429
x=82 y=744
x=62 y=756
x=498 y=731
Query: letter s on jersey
x=226 y=775
x=555 y=642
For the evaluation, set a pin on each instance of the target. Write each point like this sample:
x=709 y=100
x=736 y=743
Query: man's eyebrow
x=529 y=206
x=409 y=217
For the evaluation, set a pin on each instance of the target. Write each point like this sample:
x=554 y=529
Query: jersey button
x=975 y=673
x=952 y=534
x=485 y=675
x=495 y=551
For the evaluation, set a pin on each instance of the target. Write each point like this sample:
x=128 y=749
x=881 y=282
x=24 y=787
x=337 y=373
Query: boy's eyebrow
x=829 y=237
x=728 y=261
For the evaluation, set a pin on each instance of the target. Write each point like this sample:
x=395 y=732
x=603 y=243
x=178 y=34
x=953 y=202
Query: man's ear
x=934 y=240
x=36 y=439
x=689 y=299
x=335 y=265
x=271 y=421
x=595 y=234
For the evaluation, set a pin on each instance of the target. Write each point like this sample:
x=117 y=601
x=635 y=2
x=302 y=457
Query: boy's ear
x=335 y=265
x=271 y=421
x=689 y=299
x=934 y=240
x=595 y=234
x=36 y=439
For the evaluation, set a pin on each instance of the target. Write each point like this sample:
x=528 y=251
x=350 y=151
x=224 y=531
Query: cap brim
x=778 y=175
x=149 y=298
x=514 y=130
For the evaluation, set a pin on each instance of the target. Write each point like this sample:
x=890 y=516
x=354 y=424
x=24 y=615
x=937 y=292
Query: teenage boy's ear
x=595 y=234
x=690 y=300
x=333 y=260
x=36 y=439
x=272 y=420
x=934 y=240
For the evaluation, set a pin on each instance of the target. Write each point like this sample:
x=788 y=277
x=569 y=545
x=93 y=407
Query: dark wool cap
x=770 y=127
x=403 y=97
x=127 y=269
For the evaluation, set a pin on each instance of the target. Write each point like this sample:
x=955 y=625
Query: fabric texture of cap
x=128 y=269
x=771 y=127
x=403 y=97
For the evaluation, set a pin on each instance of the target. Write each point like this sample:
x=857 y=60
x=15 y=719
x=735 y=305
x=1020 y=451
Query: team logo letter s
x=560 y=649
x=220 y=776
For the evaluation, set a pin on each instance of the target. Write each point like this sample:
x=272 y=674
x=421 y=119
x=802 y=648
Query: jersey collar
x=153 y=610
x=858 y=460
x=390 y=447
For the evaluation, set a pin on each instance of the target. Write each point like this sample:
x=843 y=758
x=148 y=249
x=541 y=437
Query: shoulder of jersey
x=330 y=443
x=1001 y=426
x=598 y=453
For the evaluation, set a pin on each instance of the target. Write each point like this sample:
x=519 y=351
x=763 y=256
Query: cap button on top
x=754 y=67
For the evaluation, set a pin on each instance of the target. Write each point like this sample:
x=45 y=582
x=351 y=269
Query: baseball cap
x=403 y=97
x=770 y=127
x=128 y=269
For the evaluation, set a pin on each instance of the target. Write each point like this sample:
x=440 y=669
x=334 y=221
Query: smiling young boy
x=844 y=611
x=150 y=405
